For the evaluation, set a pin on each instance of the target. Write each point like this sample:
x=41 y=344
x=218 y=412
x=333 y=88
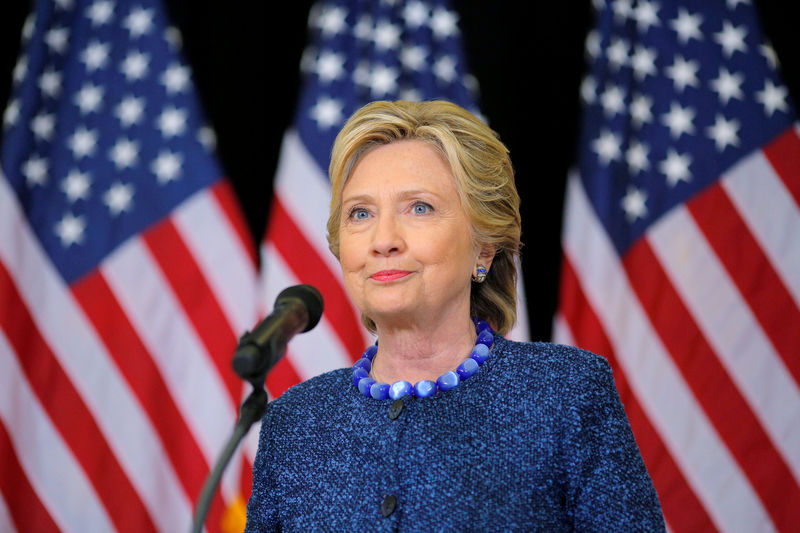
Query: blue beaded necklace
x=422 y=389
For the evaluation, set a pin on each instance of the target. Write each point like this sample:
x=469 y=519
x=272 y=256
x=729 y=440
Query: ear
x=486 y=255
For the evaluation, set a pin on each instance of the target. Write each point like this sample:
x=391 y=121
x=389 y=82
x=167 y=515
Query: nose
x=387 y=238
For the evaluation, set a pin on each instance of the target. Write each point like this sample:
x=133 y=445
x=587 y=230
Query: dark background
x=527 y=57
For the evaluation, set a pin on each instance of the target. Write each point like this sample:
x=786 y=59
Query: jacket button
x=395 y=409
x=388 y=505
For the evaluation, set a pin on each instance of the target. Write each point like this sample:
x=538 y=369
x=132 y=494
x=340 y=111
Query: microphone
x=297 y=310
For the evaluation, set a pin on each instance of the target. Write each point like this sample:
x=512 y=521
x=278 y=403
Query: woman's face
x=405 y=242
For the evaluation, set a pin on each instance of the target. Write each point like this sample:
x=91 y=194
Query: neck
x=413 y=352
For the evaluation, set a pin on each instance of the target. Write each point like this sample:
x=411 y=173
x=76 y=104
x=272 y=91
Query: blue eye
x=359 y=213
x=422 y=209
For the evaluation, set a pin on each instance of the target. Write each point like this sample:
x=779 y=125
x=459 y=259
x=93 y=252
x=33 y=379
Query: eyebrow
x=402 y=196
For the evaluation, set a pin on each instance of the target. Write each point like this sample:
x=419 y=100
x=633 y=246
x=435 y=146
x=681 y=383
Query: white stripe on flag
x=84 y=359
x=225 y=264
x=562 y=334
x=317 y=351
x=149 y=303
x=664 y=396
x=52 y=470
x=771 y=214
x=730 y=328
x=305 y=193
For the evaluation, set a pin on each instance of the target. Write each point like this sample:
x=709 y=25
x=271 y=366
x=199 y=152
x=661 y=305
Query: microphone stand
x=251 y=411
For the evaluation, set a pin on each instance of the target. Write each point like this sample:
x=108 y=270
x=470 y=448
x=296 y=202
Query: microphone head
x=311 y=298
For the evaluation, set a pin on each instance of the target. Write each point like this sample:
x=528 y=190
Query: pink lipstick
x=389 y=275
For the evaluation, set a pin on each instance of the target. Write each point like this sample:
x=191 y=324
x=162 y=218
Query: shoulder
x=545 y=360
x=321 y=390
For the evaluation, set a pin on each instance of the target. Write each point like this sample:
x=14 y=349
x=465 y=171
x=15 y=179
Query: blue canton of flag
x=675 y=96
x=363 y=51
x=103 y=129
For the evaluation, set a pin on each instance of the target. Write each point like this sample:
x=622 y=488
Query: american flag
x=681 y=255
x=360 y=51
x=126 y=274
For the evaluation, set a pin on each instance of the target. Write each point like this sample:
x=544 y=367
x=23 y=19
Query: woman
x=443 y=425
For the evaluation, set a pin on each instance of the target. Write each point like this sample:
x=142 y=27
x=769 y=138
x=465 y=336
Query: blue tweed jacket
x=536 y=440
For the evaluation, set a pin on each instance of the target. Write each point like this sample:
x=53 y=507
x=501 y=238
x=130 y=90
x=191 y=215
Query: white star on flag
x=100 y=12
x=634 y=203
x=130 y=110
x=444 y=23
x=172 y=122
x=89 y=98
x=83 y=142
x=773 y=98
x=641 y=110
x=683 y=73
x=687 y=26
x=607 y=147
x=50 y=83
x=176 y=78
x=724 y=132
x=166 y=167
x=643 y=62
x=135 y=66
x=76 y=186
x=676 y=167
x=636 y=157
x=43 y=125
x=444 y=68
x=382 y=80
x=118 y=198
x=56 y=39
x=386 y=36
x=618 y=54
x=327 y=112
x=70 y=229
x=332 y=21
x=124 y=153
x=330 y=66
x=646 y=15
x=95 y=56
x=731 y=38
x=612 y=100
x=35 y=171
x=679 y=120
x=415 y=14
x=728 y=85
x=413 y=57
x=139 y=22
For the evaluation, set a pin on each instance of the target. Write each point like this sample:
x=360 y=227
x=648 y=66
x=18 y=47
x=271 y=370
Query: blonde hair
x=483 y=176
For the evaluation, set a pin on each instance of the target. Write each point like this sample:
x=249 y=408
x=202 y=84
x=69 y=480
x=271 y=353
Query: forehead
x=402 y=163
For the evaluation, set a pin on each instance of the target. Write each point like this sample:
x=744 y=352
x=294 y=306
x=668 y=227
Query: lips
x=389 y=275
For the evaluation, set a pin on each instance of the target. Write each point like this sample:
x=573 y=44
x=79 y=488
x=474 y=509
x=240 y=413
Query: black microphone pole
x=297 y=310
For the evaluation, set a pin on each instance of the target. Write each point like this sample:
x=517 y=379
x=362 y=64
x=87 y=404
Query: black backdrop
x=527 y=56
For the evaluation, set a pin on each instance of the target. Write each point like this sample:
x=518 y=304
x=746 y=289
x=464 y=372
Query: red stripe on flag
x=712 y=386
x=226 y=198
x=196 y=297
x=681 y=507
x=306 y=264
x=141 y=373
x=784 y=155
x=27 y=510
x=281 y=377
x=69 y=414
x=752 y=272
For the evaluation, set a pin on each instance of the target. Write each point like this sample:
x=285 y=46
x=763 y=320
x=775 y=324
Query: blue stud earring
x=480 y=274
